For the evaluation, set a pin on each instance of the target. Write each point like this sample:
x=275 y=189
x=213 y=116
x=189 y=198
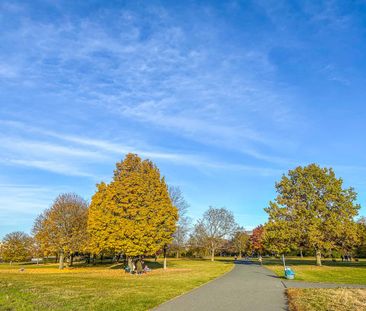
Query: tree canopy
x=62 y=228
x=312 y=210
x=240 y=242
x=133 y=214
x=16 y=246
x=215 y=225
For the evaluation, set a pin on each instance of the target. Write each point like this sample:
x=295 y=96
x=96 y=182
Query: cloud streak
x=72 y=160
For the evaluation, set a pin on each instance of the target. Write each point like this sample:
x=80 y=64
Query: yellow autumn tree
x=133 y=214
x=62 y=228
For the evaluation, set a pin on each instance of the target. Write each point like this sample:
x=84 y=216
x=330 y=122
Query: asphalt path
x=246 y=287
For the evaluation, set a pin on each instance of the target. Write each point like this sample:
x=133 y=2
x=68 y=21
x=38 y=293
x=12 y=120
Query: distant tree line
x=137 y=214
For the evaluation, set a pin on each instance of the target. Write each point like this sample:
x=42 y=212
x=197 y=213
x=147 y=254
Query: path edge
x=193 y=289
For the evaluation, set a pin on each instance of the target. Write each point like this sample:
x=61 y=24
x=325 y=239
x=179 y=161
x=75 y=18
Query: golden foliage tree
x=62 y=228
x=133 y=214
x=16 y=246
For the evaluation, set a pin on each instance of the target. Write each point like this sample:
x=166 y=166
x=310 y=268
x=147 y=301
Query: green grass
x=44 y=287
x=333 y=272
x=340 y=299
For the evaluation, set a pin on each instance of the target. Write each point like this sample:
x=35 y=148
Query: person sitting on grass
x=146 y=269
x=130 y=267
x=139 y=269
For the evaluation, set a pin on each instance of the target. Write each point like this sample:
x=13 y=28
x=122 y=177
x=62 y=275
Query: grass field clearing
x=332 y=272
x=44 y=287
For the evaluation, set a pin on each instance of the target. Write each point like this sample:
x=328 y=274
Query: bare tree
x=183 y=225
x=62 y=227
x=215 y=225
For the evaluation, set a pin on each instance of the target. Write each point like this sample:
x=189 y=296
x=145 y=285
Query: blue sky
x=224 y=96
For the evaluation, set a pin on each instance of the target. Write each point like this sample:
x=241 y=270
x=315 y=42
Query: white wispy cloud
x=76 y=159
x=152 y=76
x=26 y=198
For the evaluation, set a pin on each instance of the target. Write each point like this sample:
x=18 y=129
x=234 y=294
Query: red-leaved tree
x=256 y=240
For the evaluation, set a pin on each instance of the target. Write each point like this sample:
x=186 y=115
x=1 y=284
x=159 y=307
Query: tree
x=62 y=227
x=313 y=210
x=361 y=247
x=183 y=225
x=215 y=225
x=133 y=214
x=197 y=241
x=257 y=240
x=240 y=242
x=16 y=246
x=278 y=237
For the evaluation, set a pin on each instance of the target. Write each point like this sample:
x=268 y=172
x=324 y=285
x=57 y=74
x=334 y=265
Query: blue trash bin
x=289 y=273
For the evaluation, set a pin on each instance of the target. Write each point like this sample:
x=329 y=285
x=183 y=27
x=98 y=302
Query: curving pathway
x=246 y=287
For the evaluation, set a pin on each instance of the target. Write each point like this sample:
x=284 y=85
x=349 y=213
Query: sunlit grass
x=44 y=287
x=333 y=272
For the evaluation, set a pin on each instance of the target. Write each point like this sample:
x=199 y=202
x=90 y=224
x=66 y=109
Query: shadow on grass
x=118 y=266
x=154 y=264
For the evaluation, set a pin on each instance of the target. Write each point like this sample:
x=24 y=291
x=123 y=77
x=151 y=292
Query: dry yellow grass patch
x=340 y=299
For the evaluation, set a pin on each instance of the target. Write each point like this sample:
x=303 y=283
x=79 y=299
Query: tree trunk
x=56 y=258
x=177 y=254
x=71 y=260
x=212 y=254
x=61 y=264
x=301 y=255
x=240 y=254
x=318 y=258
x=164 y=257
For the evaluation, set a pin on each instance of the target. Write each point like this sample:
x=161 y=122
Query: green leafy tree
x=62 y=228
x=279 y=236
x=312 y=210
x=16 y=246
x=240 y=242
x=133 y=214
x=361 y=247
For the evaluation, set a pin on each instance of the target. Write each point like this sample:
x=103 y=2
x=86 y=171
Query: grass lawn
x=44 y=287
x=326 y=299
x=332 y=272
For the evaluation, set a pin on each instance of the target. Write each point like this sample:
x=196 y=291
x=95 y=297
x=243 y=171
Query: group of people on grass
x=137 y=266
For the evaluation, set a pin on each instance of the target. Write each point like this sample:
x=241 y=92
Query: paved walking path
x=247 y=287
